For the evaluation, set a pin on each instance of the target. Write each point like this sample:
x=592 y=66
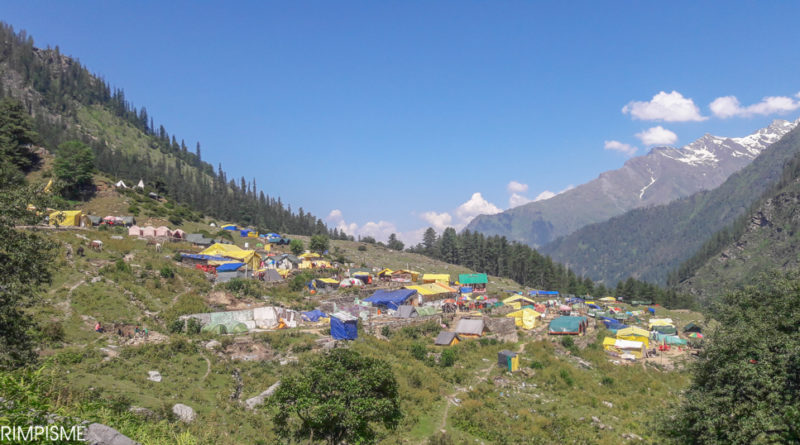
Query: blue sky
x=397 y=113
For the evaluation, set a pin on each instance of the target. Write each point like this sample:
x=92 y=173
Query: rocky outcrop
x=184 y=413
x=99 y=434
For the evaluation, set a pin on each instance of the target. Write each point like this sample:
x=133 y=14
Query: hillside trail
x=482 y=375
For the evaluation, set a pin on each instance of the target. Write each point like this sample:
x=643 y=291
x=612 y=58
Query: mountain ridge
x=661 y=176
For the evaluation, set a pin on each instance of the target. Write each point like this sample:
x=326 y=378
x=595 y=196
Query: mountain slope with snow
x=659 y=177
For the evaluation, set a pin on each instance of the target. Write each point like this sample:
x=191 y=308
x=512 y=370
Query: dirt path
x=482 y=375
x=208 y=368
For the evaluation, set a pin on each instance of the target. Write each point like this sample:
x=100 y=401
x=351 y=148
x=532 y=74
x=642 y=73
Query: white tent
x=351 y=282
x=140 y=185
x=121 y=184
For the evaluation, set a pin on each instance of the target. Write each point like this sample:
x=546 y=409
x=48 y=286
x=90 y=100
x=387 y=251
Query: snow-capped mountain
x=661 y=176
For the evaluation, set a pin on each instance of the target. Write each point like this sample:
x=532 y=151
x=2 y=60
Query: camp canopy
x=442 y=278
x=520 y=300
x=470 y=328
x=390 y=298
x=249 y=257
x=525 y=318
x=634 y=333
x=431 y=289
x=567 y=325
x=446 y=339
x=692 y=327
x=66 y=218
x=620 y=346
x=660 y=322
x=314 y=315
x=344 y=326
x=230 y=227
x=473 y=278
x=608 y=299
x=229 y=267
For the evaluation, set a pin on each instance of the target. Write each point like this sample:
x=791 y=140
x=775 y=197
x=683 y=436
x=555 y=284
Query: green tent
x=238 y=328
x=567 y=325
x=693 y=327
x=473 y=278
x=426 y=310
x=218 y=329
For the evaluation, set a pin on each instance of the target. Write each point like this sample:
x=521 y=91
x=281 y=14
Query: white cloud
x=335 y=216
x=438 y=221
x=477 y=205
x=657 y=136
x=516 y=200
x=729 y=106
x=547 y=194
x=516 y=187
x=379 y=230
x=668 y=107
x=627 y=149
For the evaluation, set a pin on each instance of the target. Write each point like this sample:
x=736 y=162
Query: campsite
x=228 y=319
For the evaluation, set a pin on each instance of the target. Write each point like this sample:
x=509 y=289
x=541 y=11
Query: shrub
x=133 y=210
x=566 y=377
x=607 y=381
x=52 y=332
x=167 y=272
x=175 y=219
x=448 y=358
x=177 y=325
x=362 y=248
x=385 y=331
x=567 y=342
x=177 y=257
x=537 y=364
x=122 y=266
x=418 y=351
x=192 y=326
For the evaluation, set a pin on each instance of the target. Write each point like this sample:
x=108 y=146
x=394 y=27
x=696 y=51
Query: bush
x=537 y=364
x=177 y=257
x=448 y=358
x=177 y=325
x=566 y=377
x=193 y=326
x=133 y=210
x=362 y=248
x=122 y=266
x=52 y=332
x=567 y=342
x=167 y=272
x=607 y=381
x=418 y=351
x=175 y=219
x=385 y=331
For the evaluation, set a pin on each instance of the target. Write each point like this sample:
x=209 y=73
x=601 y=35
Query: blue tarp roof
x=465 y=289
x=197 y=256
x=544 y=292
x=594 y=306
x=233 y=228
x=390 y=298
x=344 y=330
x=229 y=267
x=575 y=300
x=314 y=315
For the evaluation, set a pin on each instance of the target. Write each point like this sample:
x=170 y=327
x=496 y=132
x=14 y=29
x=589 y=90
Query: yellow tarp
x=518 y=299
x=66 y=218
x=229 y=225
x=328 y=280
x=645 y=340
x=414 y=275
x=525 y=318
x=249 y=257
x=385 y=272
x=591 y=302
x=309 y=255
x=442 y=278
x=660 y=322
x=623 y=346
x=252 y=234
x=633 y=331
x=431 y=289
x=514 y=363
x=514 y=304
x=608 y=299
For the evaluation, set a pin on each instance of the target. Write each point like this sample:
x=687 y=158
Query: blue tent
x=651 y=310
x=594 y=306
x=575 y=300
x=197 y=256
x=344 y=327
x=229 y=267
x=314 y=315
x=465 y=290
x=243 y=233
x=390 y=298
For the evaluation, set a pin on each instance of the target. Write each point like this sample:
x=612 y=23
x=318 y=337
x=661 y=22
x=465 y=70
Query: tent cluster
x=161 y=232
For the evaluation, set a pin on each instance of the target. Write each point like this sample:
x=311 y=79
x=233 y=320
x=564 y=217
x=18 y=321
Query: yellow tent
x=660 y=322
x=525 y=318
x=519 y=299
x=49 y=187
x=431 y=289
x=328 y=280
x=414 y=275
x=442 y=278
x=252 y=234
x=66 y=218
x=608 y=299
x=309 y=255
x=249 y=257
x=621 y=346
x=635 y=334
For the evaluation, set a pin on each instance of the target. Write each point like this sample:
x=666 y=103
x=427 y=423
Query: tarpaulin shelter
x=608 y=299
x=525 y=318
x=442 y=278
x=249 y=257
x=622 y=347
x=446 y=339
x=215 y=329
x=405 y=276
x=517 y=301
x=407 y=311
x=431 y=289
x=314 y=315
x=344 y=326
x=544 y=293
x=351 y=282
x=385 y=274
x=477 y=281
x=692 y=327
x=634 y=333
x=669 y=339
x=238 y=328
x=665 y=329
x=229 y=267
x=467 y=327
x=392 y=299
x=424 y=311
x=231 y=227
x=66 y=218
x=568 y=325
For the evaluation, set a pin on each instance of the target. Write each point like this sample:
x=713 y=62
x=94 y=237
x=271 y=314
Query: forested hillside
x=765 y=239
x=68 y=102
x=648 y=243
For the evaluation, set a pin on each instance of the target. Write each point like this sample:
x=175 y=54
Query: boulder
x=185 y=413
x=154 y=376
x=253 y=402
x=99 y=434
